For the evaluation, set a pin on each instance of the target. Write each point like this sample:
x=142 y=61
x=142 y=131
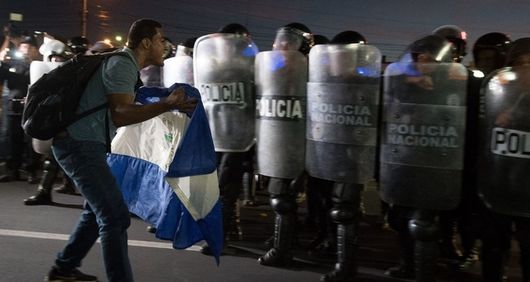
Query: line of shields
x=322 y=115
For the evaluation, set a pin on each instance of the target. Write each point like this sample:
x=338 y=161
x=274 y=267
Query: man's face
x=28 y=52
x=157 y=48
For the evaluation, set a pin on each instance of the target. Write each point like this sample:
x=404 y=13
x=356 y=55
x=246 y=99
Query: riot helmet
x=78 y=44
x=349 y=37
x=519 y=53
x=235 y=28
x=429 y=48
x=186 y=48
x=457 y=37
x=490 y=50
x=54 y=50
x=320 y=39
x=294 y=36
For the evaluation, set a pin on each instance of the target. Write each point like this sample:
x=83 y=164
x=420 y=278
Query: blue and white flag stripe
x=166 y=169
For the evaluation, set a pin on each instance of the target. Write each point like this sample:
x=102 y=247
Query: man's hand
x=178 y=100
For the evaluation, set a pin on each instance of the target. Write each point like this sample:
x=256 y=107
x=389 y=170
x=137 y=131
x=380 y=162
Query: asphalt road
x=30 y=237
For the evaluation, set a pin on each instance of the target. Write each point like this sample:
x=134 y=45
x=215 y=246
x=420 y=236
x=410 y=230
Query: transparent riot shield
x=281 y=85
x=178 y=69
x=342 y=112
x=423 y=126
x=223 y=67
x=504 y=150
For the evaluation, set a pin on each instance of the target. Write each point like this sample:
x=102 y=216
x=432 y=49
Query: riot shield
x=224 y=74
x=281 y=84
x=504 y=150
x=342 y=112
x=178 y=69
x=423 y=127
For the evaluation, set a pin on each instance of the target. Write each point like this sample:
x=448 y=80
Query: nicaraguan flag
x=166 y=168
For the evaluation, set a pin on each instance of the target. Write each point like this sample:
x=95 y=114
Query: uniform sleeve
x=119 y=75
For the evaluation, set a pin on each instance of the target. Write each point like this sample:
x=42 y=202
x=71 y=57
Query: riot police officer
x=449 y=219
x=281 y=77
x=503 y=164
x=422 y=153
x=224 y=74
x=489 y=54
x=54 y=52
x=343 y=96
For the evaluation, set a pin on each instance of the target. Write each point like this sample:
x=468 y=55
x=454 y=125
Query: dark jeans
x=105 y=213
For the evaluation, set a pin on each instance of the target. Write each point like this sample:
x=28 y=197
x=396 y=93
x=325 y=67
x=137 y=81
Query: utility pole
x=84 y=13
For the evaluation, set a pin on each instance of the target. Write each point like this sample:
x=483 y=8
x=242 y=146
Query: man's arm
x=125 y=112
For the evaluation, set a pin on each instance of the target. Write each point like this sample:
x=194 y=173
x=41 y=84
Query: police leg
x=43 y=196
x=522 y=235
x=283 y=202
x=346 y=214
x=398 y=220
x=495 y=245
x=448 y=225
x=230 y=184
x=249 y=183
x=425 y=231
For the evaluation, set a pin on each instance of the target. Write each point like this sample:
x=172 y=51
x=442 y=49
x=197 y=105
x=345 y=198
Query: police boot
x=32 y=177
x=230 y=209
x=346 y=213
x=43 y=196
x=283 y=202
x=446 y=243
x=280 y=254
x=249 y=189
x=424 y=229
x=405 y=270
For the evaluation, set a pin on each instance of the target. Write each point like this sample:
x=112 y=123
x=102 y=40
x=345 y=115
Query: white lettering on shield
x=436 y=136
x=354 y=115
x=280 y=107
x=223 y=93
x=510 y=143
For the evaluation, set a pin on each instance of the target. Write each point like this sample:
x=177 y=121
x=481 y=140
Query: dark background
x=388 y=24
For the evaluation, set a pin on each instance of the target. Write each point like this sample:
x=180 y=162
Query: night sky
x=388 y=24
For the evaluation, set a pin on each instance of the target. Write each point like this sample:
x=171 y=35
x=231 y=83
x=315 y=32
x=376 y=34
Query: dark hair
x=140 y=29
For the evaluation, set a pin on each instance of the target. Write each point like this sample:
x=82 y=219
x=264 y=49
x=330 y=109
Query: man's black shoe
x=57 y=275
x=41 y=198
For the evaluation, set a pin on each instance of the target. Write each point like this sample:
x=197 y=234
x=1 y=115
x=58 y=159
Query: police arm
x=125 y=112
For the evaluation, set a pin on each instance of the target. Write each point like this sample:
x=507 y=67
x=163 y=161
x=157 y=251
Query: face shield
x=293 y=39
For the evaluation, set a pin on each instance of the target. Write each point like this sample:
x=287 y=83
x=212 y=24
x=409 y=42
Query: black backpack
x=52 y=100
